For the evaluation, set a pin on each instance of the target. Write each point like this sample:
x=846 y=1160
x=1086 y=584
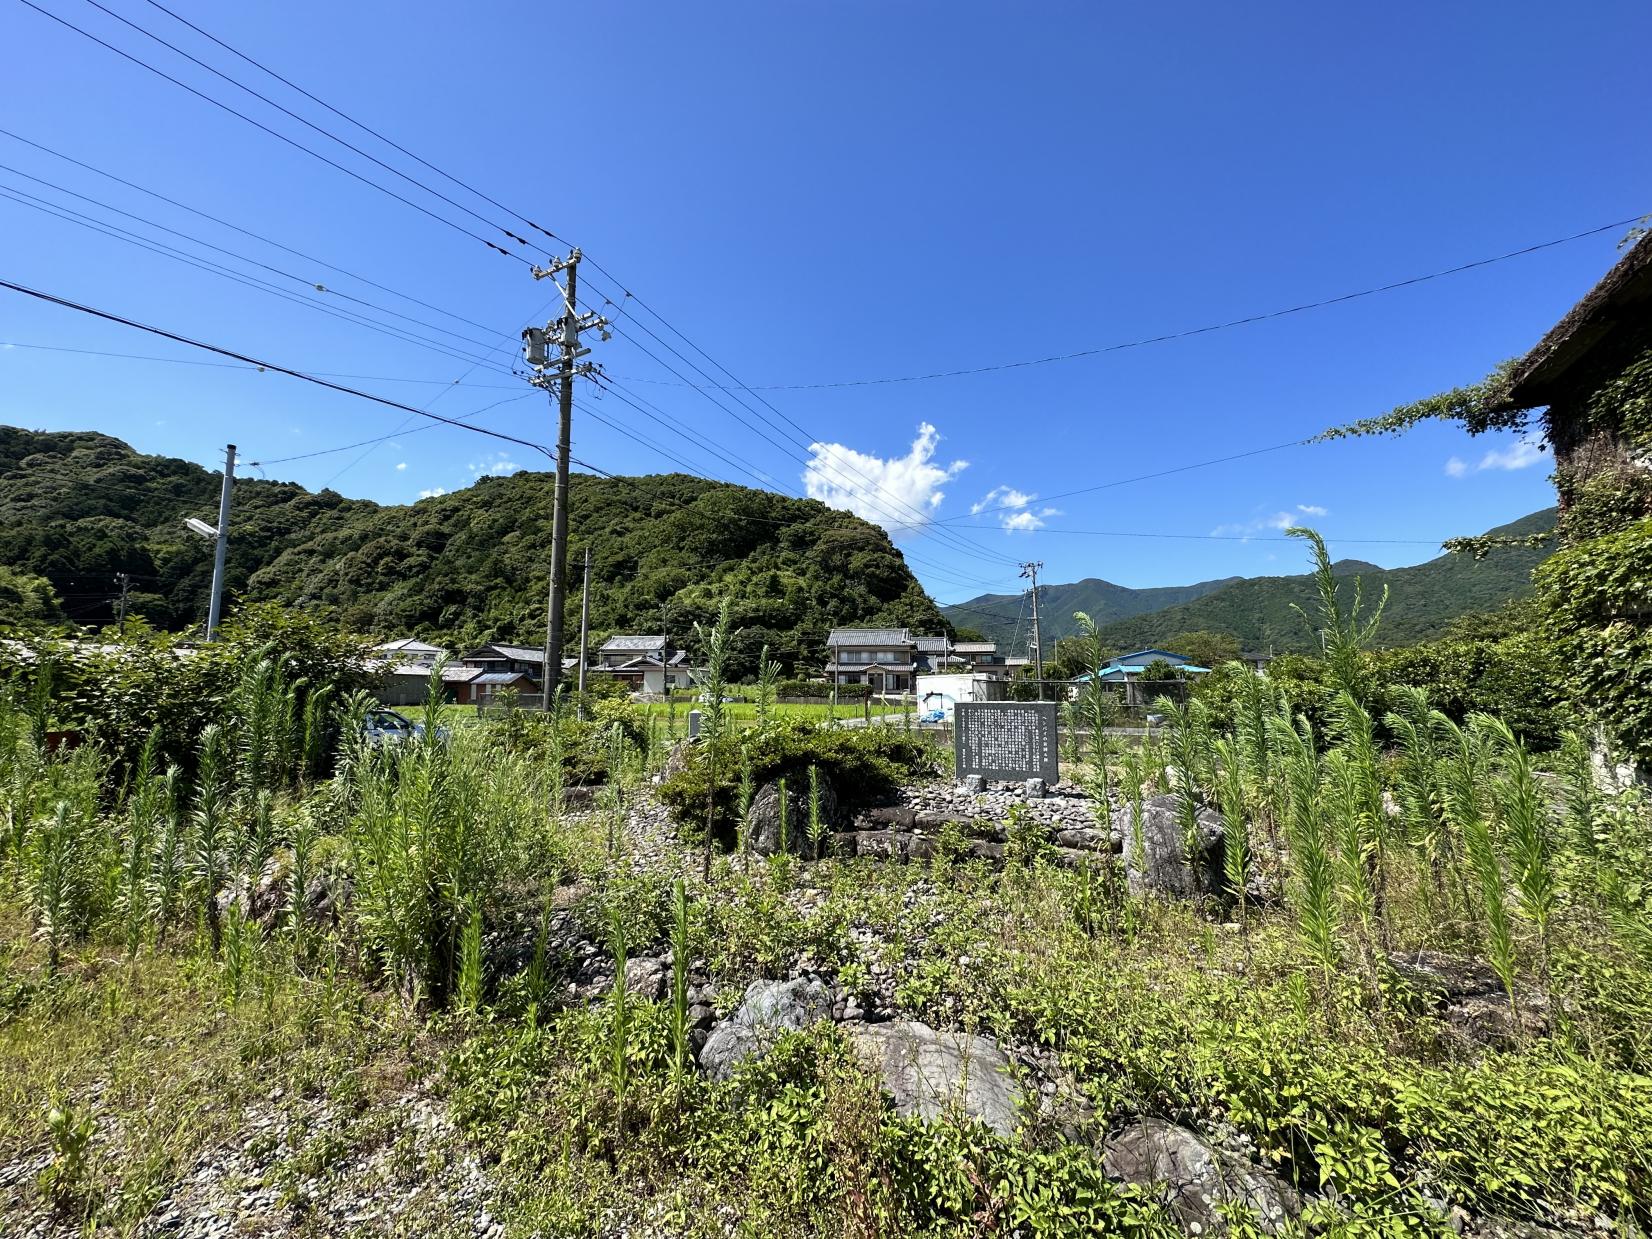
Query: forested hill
x=78 y=507
x=1422 y=599
x=1000 y=616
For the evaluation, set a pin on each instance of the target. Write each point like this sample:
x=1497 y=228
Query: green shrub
x=860 y=762
x=1595 y=595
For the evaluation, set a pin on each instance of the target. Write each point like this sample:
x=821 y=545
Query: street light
x=201 y=527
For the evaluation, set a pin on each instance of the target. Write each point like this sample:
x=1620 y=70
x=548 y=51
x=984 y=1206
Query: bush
x=861 y=762
x=1595 y=594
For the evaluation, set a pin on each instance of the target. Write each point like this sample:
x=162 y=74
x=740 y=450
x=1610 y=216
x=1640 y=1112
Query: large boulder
x=1157 y=862
x=763 y=818
x=931 y=1074
x=770 y=1008
x=1195 y=1181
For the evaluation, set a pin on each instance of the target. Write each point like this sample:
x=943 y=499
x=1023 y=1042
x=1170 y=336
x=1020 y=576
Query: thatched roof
x=1615 y=308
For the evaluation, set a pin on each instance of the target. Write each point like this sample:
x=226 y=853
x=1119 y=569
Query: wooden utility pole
x=584 y=628
x=566 y=330
x=1030 y=570
x=552 y=630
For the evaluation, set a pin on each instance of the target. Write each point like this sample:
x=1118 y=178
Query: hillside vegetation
x=997 y=616
x=1258 y=611
x=76 y=508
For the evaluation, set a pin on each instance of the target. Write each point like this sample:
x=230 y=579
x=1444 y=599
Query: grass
x=296 y=1057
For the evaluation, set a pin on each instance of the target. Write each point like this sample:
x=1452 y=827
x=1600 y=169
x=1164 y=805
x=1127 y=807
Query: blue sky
x=822 y=193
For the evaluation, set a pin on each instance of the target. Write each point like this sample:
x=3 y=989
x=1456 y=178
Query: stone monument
x=1008 y=740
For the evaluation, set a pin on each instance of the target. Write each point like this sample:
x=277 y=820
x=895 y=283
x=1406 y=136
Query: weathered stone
x=645 y=977
x=932 y=1073
x=1194 y=1180
x=1468 y=995
x=770 y=1009
x=973 y=784
x=763 y=818
x=1159 y=863
x=1086 y=838
x=1035 y=789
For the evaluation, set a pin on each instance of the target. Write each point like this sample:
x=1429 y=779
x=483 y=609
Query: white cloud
x=1521 y=454
x=901 y=493
x=1517 y=455
x=499 y=465
x=1013 y=509
x=1281 y=520
x=1001 y=496
x=433 y=492
x=401 y=466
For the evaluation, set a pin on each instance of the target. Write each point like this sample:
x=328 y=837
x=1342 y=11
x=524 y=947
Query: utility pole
x=1030 y=571
x=216 y=609
x=566 y=329
x=584 y=628
x=553 y=628
x=124 y=581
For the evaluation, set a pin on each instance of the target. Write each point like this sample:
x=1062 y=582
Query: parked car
x=382 y=725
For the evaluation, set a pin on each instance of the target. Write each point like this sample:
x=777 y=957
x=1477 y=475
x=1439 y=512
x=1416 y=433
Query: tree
x=1205 y=648
x=27 y=600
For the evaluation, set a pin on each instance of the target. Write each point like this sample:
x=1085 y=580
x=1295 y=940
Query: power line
x=68 y=215
x=256 y=236
x=1248 y=320
x=125 y=55
x=330 y=451
x=326 y=133
x=1145 y=477
x=269 y=365
x=231 y=365
x=358 y=124
x=307 y=281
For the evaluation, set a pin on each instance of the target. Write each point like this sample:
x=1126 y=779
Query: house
x=884 y=658
x=485 y=688
x=409 y=651
x=981 y=658
x=497 y=657
x=934 y=656
x=406 y=665
x=1588 y=375
x=1126 y=674
x=645 y=663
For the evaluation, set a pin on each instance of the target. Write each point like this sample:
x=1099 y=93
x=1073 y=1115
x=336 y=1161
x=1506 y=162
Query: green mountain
x=77 y=508
x=1001 y=616
x=1422 y=599
x=1258 y=610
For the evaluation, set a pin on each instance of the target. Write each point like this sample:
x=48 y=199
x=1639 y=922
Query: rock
x=763 y=818
x=933 y=1073
x=326 y=898
x=1035 y=789
x=1162 y=865
x=1192 y=1178
x=1467 y=994
x=769 y=1009
x=972 y=784
x=645 y=977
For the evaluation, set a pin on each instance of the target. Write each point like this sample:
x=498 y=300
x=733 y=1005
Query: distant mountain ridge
x=1000 y=616
x=1422 y=600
